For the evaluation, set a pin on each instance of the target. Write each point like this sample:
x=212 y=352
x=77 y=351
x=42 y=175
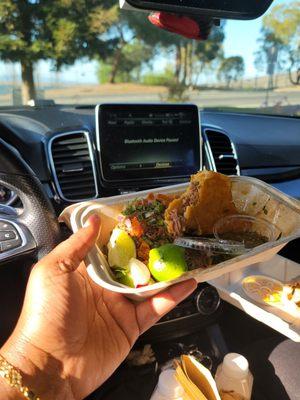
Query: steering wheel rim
x=36 y=227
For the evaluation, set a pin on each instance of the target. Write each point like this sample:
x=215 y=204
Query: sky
x=240 y=39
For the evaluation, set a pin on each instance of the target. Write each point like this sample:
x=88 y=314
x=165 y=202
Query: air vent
x=221 y=152
x=73 y=166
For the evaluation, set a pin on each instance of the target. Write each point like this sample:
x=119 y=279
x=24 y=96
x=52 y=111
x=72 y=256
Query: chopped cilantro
x=130 y=209
x=140 y=217
x=150 y=214
x=158 y=206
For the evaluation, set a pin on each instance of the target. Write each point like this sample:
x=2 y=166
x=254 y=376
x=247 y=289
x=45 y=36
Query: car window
x=87 y=52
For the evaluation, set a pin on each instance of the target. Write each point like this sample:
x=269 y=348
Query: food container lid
x=212 y=246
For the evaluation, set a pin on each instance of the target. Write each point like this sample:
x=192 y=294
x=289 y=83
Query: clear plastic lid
x=212 y=246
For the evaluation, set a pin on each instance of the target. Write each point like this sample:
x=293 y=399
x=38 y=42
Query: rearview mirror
x=225 y=9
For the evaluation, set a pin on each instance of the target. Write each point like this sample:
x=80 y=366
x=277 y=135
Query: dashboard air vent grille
x=73 y=166
x=222 y=152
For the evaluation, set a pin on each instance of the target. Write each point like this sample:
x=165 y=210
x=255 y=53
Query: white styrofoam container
x=282 y=320
x=250 y=196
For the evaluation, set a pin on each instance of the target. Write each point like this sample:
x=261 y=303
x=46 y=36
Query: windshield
x=86 y=52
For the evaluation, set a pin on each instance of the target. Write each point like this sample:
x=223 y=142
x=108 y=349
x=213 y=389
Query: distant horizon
x=51 y=84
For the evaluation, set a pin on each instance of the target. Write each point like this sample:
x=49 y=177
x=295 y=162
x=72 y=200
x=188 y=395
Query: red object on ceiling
x=181 y=25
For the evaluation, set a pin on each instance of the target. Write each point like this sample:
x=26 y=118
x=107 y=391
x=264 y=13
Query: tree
x=268 y=57
x=189 y=56
x=60 y=30
x=120 y=34
x=127 y=64
x=137 y=43
x=162 y=42
x=130 y=52
x=231 y=69
x=280 y=41
x=205 y=53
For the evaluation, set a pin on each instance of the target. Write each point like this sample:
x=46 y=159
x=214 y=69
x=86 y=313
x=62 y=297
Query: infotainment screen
x=144 y=142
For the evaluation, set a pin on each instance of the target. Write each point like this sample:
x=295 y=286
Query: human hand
x=72 y=334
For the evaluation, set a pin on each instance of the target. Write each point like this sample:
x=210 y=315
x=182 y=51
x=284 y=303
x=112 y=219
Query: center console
x=198 y=311
x=151 y=145
x=144 y=145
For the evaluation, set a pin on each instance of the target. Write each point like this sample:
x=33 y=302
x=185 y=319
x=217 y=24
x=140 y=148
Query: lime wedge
x=121 y=248
x=167 y=262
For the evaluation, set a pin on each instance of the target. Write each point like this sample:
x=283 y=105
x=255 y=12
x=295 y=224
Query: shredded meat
x=207 y=199
x=176 y=222
x=193 y=196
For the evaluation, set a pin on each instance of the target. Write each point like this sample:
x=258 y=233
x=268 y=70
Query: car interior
x=54 y=155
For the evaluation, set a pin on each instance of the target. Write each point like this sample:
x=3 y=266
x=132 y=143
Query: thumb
x=68 y=255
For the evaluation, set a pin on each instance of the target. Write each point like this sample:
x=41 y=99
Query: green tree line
x=124 y=43
x=127 y=45
x=58 y=30
x=279 y=43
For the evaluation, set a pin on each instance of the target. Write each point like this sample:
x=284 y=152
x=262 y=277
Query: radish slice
x=139 y=272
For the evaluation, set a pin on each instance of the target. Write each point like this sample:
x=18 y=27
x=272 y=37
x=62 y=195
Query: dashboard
x=60 y=145
x=81 y=153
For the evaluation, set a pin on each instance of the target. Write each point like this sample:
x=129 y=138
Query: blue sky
x=240 y=39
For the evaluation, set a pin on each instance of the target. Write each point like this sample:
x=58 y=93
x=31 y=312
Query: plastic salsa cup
x=246 y=230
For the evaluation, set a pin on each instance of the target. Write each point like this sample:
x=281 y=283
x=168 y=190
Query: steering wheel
x=35 y=228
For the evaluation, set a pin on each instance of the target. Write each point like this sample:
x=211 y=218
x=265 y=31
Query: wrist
x=40 y=372
x=9 y=393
